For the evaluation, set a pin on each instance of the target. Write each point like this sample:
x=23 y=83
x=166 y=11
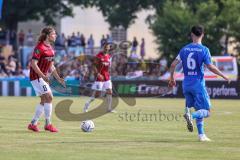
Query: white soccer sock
x=48 y=112
x=37 y=115
x=187 y=110
x=87 y=104
x=109 y=101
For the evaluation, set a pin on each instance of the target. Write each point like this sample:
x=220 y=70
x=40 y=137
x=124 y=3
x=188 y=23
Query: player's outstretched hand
x=62 y=82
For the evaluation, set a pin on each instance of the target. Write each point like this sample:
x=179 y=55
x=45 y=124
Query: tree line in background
x=170 y=23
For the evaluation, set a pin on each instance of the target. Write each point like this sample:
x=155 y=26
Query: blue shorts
x=196 y=95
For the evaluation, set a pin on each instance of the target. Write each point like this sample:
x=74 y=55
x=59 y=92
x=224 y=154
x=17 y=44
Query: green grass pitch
x=117 y=136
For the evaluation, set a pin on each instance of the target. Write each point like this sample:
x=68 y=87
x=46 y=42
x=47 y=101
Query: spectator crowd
x=74 y=57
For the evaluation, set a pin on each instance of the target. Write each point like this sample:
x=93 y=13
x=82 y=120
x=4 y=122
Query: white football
x=87 y=126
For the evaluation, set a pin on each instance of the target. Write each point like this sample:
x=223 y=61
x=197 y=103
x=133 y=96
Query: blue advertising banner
x=1 y=3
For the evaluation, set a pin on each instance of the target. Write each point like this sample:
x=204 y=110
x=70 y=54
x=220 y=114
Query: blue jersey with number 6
x=193 y=57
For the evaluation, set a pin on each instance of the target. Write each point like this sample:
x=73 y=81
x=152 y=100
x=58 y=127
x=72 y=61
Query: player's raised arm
x=215 y=70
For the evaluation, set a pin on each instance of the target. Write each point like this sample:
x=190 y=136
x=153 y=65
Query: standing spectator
x=21 y=37
x=83 y=43
x=73 y=40
x=134 y=45
x=103 y=41
x=79 y=44
x=68 y=41
x=78 y=39
x=62 y=40
x=26 y=71
x=60 y=45
x=142 y=48
x=109 y=38
x=57 y=42
x=29 y=38
x=7 y=37
x=72 y=44
x=13 y=39
x=91 y=43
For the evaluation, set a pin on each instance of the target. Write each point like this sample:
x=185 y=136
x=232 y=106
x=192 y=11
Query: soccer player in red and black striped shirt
x=103 y=83
x=41 y=65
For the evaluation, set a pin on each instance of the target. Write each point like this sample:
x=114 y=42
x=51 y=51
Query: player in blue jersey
x=193 y=57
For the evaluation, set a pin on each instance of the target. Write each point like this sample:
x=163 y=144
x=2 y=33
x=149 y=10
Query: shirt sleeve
x=178 y=56
x=36 y=53
x=207 y=58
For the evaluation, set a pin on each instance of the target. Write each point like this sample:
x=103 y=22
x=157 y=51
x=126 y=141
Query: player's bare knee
x=48 y=98
x=42 y=100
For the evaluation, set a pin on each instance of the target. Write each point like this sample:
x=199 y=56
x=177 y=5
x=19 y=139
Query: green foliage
x=172 y=28
x=120 y=12
x=15 y=11
x=229 y=21
x=173 y=22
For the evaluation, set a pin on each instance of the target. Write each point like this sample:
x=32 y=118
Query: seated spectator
x=11 y=65
x=26 y=71
x=3 y=70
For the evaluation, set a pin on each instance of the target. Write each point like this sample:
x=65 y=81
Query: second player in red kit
x=102 y=63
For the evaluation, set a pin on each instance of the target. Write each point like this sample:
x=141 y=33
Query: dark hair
x=197 y=30
x=44 y=32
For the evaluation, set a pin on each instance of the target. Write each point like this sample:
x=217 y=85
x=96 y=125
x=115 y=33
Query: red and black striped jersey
x=44 y=54
x=103 y=66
